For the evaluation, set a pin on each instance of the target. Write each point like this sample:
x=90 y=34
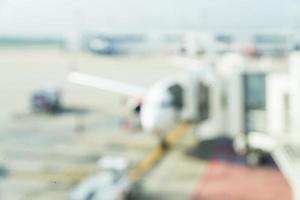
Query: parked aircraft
x=177 y=98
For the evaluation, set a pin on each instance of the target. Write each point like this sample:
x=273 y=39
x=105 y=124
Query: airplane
x=177 y=98
x=116 y=44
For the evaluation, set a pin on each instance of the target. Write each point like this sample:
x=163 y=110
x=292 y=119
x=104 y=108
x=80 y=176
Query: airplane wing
x=105 y=84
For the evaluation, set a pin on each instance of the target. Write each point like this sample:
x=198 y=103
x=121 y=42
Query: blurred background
x=139 y=99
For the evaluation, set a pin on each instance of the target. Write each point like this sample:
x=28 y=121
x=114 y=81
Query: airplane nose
x=157 y=121
x=149 y=122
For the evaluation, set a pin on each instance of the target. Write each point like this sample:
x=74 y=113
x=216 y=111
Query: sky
x=58 y=17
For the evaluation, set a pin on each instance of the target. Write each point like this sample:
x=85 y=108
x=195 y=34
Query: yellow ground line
x=177 y=134
x=158 y=152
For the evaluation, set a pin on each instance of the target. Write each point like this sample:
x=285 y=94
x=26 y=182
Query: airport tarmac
x=44 y=157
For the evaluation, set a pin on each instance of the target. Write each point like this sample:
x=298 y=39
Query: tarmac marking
x=158 y=152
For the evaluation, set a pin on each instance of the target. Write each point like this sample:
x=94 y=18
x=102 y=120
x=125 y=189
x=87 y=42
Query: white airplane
x=178 y=98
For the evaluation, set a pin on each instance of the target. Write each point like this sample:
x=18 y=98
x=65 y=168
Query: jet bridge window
x=203 y=101
x=177 y=95
x=254 y=102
